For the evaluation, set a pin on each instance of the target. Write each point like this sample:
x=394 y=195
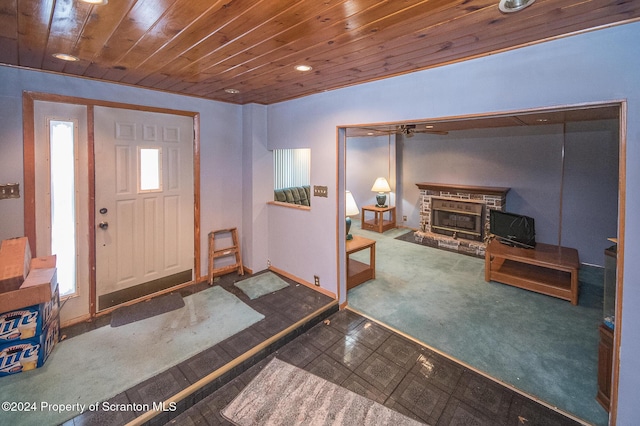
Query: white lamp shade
x=351 y=206
x=381 y=185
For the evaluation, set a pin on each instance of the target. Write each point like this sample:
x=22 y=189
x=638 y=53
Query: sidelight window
x=62 y=153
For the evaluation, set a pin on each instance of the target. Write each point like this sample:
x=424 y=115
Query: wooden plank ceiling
x=204 y=47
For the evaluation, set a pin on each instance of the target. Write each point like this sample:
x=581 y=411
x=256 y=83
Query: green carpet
x=97 y=365
x=539 y=344
x=261 y=284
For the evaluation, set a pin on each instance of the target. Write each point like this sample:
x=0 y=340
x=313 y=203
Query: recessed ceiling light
x=232 y=91
x=96 y=2
x=66 y=57
x=509 y=6
x=303 y=68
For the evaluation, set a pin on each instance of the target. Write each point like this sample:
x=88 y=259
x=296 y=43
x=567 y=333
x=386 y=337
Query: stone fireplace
x=456 y=217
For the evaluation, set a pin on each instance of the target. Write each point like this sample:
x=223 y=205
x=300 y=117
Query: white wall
x=220 y=139
x=592 y=67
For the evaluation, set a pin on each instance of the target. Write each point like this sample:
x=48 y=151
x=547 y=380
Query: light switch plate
x=320 y=191
x=9 y=190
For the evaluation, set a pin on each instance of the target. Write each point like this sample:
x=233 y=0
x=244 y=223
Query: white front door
x=144 y=201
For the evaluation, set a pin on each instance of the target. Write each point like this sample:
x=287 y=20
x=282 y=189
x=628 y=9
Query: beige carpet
x=283 y=394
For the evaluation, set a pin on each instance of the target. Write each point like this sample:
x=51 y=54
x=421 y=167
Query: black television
x=512 y=229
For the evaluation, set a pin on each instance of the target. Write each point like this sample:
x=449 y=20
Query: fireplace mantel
x=467 y=189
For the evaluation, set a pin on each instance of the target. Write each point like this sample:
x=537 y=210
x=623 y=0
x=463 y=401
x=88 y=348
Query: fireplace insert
x=457 y=218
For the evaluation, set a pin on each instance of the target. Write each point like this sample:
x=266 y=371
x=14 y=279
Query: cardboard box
x=43 y=262
x=28 y=322
x=29 y=354
x=15 y=261
x=39 y=287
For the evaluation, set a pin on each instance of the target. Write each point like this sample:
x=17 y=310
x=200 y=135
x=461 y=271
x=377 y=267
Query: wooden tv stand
x=547 y=269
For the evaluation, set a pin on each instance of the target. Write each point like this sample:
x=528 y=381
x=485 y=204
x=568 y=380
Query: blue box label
x=29 y=354
x=28 y=322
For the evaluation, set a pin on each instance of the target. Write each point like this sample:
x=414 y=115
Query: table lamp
x=381 y=186
x=351 y=210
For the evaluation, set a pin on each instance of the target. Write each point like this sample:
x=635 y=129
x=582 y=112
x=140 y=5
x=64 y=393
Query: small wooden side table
x=379 y=223
x=359 y=272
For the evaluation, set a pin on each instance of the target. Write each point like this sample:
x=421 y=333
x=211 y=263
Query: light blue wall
x=220 y=138
x=592 y=67
x=368 y=159
x=256 y=190
x=529 y=160
x=526 y=160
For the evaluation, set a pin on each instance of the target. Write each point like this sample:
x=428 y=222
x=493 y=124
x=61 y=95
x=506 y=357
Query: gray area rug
x=147 y=309
x=282 y=394
x=102 y=363
x=261 y=284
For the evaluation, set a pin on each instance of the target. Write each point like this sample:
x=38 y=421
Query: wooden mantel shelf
x=485 y=190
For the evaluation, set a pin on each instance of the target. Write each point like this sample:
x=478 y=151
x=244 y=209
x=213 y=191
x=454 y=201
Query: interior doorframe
x=341 y=148
x=28 y=127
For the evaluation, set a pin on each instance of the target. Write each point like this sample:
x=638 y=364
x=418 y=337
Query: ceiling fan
x=411 y=129
x=407 y=130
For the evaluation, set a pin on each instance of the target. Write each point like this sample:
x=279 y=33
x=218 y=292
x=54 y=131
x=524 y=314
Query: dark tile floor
x=348 y=350
x=369 y=359
x=281 y=310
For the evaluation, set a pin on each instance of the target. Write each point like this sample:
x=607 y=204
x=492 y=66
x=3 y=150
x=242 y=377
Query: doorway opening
x=611 y=112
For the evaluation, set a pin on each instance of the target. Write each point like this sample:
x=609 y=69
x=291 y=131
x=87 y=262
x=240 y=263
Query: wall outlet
x=404 y=218
x=268 y=263
x=316 y=280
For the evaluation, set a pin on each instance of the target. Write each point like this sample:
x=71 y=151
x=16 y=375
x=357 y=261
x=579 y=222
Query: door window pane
x=150 y=169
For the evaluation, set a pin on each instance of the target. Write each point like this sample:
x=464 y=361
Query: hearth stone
x=472 y=248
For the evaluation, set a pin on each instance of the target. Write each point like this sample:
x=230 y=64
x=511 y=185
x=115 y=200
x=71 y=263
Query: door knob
x=103 y=225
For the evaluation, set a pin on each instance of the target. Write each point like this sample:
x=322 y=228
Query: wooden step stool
x=233 y=250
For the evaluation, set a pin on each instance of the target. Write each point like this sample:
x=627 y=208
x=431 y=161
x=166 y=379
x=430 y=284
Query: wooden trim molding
x=91 y=210
x=289 y=205
x=470 y=189
x=29 y=174
x=196 y=196
x=622 y=191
